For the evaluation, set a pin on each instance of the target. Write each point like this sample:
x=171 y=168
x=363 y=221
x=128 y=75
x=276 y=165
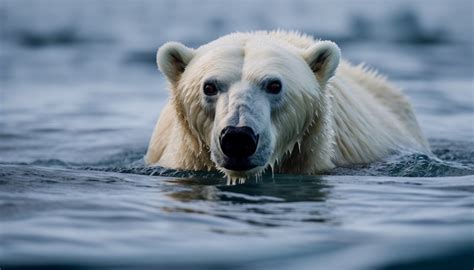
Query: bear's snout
x=238 y=142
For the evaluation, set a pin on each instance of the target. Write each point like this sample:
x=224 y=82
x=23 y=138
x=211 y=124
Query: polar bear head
x=248 y=100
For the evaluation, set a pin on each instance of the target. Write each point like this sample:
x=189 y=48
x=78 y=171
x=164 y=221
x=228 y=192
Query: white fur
x=330 y=113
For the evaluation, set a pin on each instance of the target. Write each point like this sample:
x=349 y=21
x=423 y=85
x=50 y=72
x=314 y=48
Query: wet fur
x=359 y=118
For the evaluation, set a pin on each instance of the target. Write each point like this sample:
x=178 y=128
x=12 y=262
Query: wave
x=451 y=158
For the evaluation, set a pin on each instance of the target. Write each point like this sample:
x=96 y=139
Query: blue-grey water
x=80 y=94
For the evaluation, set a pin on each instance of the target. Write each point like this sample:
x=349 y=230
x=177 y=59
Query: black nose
x=238 y=142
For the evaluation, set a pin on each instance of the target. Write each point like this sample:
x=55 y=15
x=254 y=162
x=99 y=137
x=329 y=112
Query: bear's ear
x=172 y=58
x=323 y=59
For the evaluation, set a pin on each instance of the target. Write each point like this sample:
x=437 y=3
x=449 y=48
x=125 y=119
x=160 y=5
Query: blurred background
x=79 y=81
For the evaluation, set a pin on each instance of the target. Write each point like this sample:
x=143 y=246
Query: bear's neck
x=315 y=150
x=197 y=154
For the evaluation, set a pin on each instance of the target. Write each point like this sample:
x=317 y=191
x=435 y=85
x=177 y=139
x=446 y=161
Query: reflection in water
x=281 y=188
x=275 y=201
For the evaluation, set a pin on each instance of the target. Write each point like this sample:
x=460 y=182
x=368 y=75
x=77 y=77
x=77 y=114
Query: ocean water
x=80 y=94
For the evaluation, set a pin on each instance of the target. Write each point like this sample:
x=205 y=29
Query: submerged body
x=304 y=110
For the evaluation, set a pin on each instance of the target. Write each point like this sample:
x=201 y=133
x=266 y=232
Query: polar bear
x=277 y=100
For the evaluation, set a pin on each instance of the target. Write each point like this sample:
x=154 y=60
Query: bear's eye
x=210 y=89
x=273 y=87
